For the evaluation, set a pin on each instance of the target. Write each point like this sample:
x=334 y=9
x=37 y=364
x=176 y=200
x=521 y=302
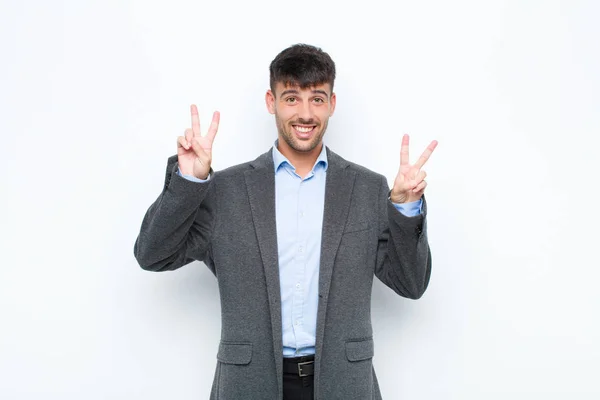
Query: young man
x=294 y=239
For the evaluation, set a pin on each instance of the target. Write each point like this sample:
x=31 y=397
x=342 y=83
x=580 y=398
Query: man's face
x=301 y=114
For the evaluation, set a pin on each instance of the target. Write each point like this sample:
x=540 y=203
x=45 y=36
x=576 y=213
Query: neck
x=303 y=161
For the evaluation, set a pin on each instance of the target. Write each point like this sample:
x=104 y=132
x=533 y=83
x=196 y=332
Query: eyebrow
x=294 y=91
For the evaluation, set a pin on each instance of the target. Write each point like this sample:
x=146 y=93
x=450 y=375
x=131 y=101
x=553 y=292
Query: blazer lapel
x=338 y=193
x=260 y=183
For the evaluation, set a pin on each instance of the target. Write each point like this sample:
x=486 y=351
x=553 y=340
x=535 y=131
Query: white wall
x=93 y=95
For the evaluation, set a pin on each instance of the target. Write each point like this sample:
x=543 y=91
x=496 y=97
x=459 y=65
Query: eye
x=319 y=100
x=290 y=100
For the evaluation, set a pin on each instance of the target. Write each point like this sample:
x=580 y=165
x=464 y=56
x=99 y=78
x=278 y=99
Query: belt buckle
x=300 y=367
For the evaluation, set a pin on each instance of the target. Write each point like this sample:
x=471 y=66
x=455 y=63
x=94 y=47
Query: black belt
x=301 y=366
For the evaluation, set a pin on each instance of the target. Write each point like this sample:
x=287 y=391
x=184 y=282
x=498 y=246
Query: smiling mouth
x=304 y=130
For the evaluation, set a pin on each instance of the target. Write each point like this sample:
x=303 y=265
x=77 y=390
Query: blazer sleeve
x=403 y=260
x=177 y=227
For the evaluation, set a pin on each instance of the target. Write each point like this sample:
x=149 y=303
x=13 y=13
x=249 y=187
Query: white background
x=94 y=93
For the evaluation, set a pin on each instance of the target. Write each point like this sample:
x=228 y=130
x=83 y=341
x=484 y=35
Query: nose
x=305 y=112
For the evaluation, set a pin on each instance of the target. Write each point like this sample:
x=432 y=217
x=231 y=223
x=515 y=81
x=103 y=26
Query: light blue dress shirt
x=299 y=204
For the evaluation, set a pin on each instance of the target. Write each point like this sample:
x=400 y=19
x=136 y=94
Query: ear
x=332 y=104
x=270 y=100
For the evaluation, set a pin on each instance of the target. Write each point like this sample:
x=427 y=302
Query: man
x=294 y=239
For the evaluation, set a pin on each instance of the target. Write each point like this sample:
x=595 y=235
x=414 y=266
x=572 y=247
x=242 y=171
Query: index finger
x=426 y=154
x=195 y=120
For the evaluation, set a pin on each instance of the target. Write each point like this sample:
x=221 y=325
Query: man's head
x=301 y=96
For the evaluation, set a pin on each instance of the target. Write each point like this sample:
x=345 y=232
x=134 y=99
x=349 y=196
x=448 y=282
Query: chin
x=305 y=145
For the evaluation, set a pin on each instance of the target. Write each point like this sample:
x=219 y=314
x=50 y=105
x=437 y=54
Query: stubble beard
x=285 y=131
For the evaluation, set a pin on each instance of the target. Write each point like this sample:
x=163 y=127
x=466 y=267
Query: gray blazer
x=229 y=224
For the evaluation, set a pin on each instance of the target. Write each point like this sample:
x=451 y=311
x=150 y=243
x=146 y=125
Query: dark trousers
x=297 y=387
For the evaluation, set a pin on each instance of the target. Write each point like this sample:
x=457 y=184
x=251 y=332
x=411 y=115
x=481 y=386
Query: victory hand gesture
x=194 y=151
x=410 y=184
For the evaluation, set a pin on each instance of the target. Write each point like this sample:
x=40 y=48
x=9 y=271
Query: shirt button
x=301 y=214
x=297 y=286
x=300 y=249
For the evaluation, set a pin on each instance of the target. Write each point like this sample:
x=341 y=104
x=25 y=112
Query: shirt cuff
x=192 y=177
x=411 y=209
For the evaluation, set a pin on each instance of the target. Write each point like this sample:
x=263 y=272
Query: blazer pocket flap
x=357 y=227
x=235 y=353
x=357 y=350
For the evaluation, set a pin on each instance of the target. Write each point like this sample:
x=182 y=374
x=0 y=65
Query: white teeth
x=303 y=129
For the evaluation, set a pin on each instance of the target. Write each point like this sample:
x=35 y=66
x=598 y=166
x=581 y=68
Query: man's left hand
x=410 y=183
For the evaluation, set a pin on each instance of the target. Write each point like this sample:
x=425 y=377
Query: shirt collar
x=279 y=159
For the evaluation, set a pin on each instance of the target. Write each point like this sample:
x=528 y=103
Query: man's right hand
x=194 y=151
